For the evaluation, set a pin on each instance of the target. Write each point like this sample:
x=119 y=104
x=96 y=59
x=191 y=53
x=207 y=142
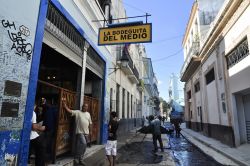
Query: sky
x=169 y=19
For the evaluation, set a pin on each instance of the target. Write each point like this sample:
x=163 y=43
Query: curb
x=240 y=162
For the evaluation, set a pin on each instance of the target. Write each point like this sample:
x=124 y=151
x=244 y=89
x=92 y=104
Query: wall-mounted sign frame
x=125 y=34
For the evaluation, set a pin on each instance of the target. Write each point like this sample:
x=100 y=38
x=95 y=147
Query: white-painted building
x=216 y=70
x=151 y=93
x=53 y=53
x=176 y=89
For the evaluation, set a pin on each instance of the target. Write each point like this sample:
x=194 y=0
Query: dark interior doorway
x=58 y=78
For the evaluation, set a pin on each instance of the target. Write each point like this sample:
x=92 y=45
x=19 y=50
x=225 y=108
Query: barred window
x=197 y=87
x=59 y=26
x=239 y=52
x=210 y=76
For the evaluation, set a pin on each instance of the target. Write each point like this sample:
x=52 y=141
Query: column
x=84 y=58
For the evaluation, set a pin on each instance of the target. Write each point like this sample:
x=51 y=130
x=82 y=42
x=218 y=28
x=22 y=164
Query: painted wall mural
x=18 y=21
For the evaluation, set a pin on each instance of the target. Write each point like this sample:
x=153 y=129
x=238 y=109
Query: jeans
x=81 y=146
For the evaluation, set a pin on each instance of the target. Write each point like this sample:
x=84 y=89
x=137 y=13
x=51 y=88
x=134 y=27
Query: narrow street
x=138 y=151
x=185 y=153
x=78 y=74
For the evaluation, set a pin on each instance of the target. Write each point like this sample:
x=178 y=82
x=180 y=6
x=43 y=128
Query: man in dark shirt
x=156 y=125
x=111 y=146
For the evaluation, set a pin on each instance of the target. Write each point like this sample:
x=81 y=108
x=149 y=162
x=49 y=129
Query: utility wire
x=164 y=58
x=133 y=7
x=167 y=39
x=157 y=60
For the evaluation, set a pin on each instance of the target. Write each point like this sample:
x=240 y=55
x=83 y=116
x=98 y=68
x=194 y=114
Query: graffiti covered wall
x=18 y=21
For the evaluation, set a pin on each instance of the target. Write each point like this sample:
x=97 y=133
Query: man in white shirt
x=36 y=141
x=83 y=130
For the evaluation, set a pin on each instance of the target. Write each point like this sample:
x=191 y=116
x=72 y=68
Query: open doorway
x=93 y=97
x=58 y=78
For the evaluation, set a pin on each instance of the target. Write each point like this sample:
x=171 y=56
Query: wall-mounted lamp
x=124 y=63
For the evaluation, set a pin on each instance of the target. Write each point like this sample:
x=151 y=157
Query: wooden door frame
x=61 y=90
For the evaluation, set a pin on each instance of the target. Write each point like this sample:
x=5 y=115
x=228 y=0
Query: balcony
x=149 y=86
x=191 y=63
x=130 y=70
x=156 y=92
x=141 y=85
x=135 y=76
x=148 y=76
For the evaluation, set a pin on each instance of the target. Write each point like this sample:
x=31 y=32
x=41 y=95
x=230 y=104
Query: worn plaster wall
x=17 y=35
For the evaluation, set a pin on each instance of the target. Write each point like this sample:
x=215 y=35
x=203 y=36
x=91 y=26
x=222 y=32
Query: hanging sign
x=126 y=34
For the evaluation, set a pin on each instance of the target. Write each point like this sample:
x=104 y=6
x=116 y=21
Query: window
x=210 y=76
x=189 y=94
x=131 y=105
x=198 y=111
x=128 y=104
x=117 y=99
x=240 y=52
x=123 y=103
x=197 y=87
x=111 y=99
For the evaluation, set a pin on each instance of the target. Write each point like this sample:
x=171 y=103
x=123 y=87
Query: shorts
x=111 y=148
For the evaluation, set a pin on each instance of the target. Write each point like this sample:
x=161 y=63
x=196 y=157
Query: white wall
x=239 y=74
x=190 y=38
x=212 y=107
x=240 y=71
x=17 y=28
x=210 y=91
x=240 y=80
x=197 y=96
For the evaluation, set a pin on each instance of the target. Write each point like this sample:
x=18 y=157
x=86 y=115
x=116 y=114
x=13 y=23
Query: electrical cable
x=167 y=39
x=164 y=58
x=131 y=6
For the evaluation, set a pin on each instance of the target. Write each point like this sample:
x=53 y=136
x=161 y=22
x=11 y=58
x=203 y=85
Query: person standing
x=156 y=131
x=37 y=141
x=177 y=128
x=83 y=129
x=142 y=121
x=111 y=146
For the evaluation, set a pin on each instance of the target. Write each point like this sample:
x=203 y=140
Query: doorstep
x=69 y=161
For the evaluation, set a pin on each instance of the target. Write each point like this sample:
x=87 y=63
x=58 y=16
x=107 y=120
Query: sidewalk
x=95 y=155
x=222 y=153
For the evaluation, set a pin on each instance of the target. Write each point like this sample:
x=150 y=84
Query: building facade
x=216 y=55
x=176 y=89
x=51 y=52
x=151 y=93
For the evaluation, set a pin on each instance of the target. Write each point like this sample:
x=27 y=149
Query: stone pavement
x=99 y=158
x=222 y=153
x=140 y=152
